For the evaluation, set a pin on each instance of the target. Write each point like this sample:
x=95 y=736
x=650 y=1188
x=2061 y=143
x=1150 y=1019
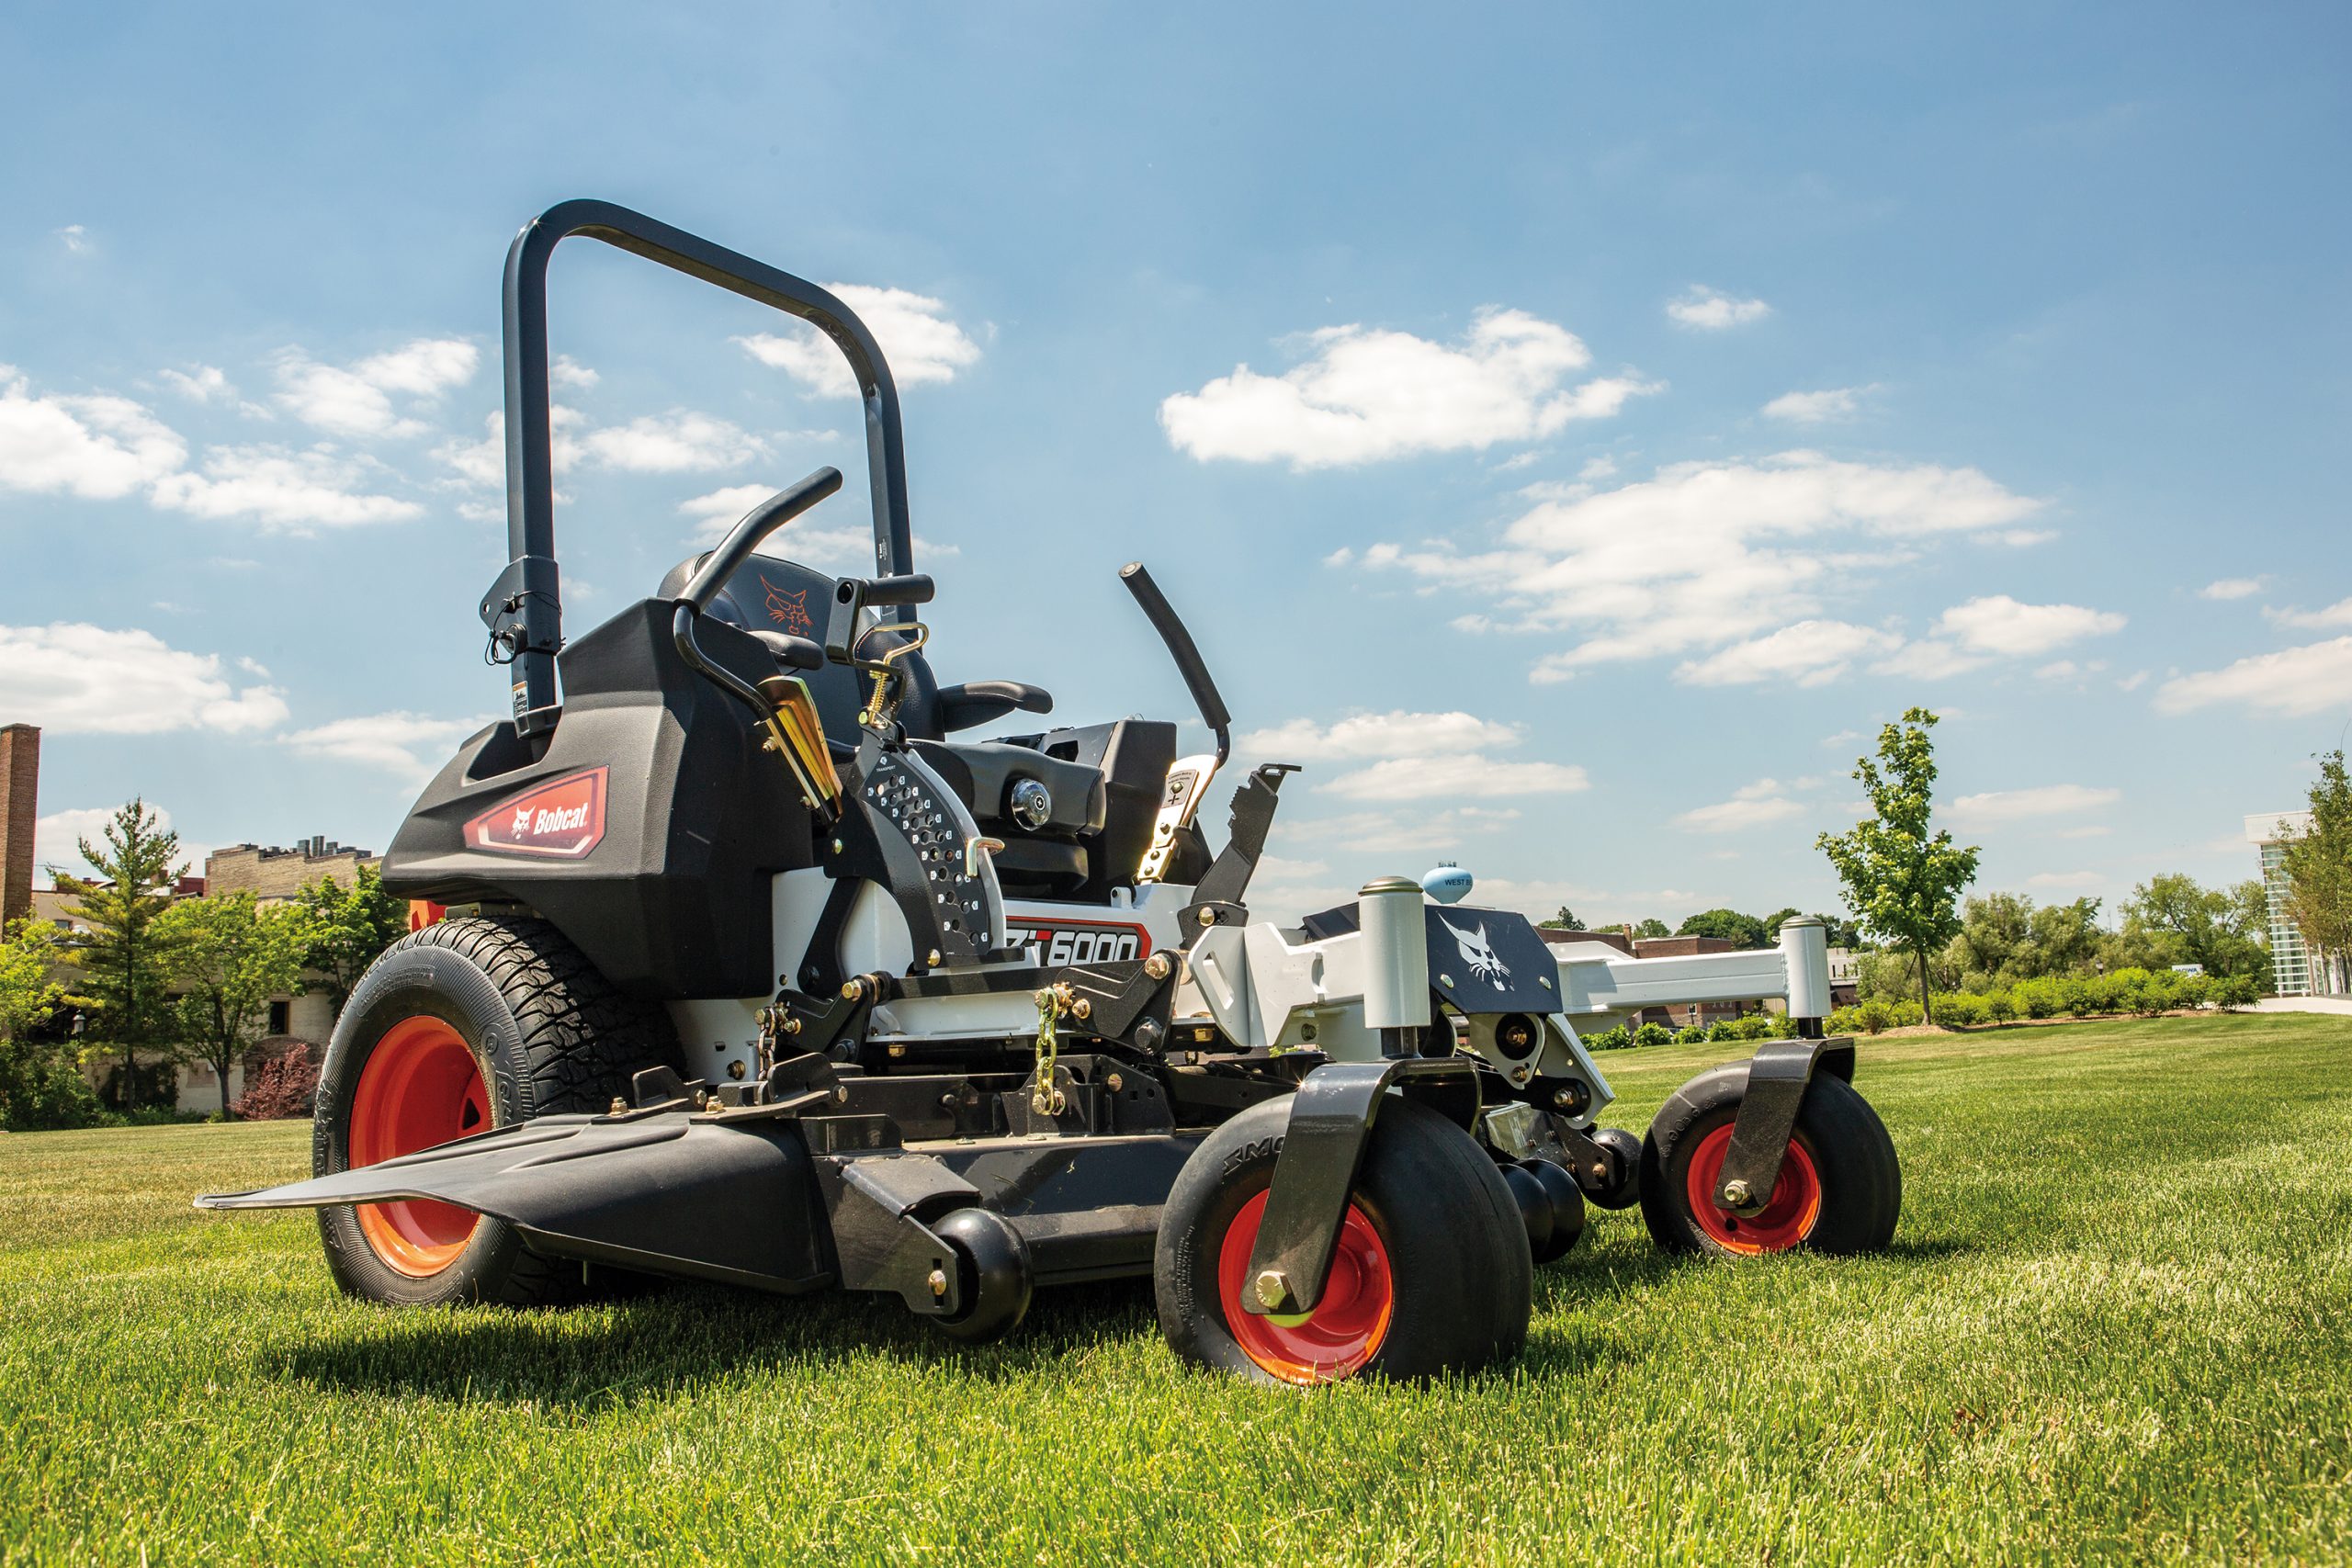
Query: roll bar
x=524 y=607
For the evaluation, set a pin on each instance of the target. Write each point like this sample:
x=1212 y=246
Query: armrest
x=978 y=701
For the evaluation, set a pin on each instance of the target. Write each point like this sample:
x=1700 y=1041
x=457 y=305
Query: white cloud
x=2000 y=625
x=1750 y=806
x=75 y=238
x=1595 y=470
x=1816 y=408
x=680 y=441
x=2069 y=881
x=356 y=400
x=2230 y=588
x=1710 y=553
x=407 y=747
x=1711 y=310
x=1841 y=738
x=2293 y=682
x=57 y=839
x=283 y=490
x=1459 y=775
x=1397 y=734
x=1419 y=831
x=569 y=372
x=837 y=549
x=98 y=447
x=1368 y=394
x=1811 y=653
x=2336 y=614
x=201 y=384
x=1996 y=808
x=77 y=679
x=920 y=341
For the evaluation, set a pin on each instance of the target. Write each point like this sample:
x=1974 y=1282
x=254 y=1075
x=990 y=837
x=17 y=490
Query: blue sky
x=1571 y=431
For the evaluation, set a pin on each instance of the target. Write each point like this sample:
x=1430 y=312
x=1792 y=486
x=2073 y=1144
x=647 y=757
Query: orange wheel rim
x=1784 y=1222
x=1348 y=1326
x=420 y=1086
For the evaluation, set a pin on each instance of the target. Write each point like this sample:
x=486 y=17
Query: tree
x=1901 y=881
x=1843 y=931
x=2318 y=866
x=349 y=930
x=1740 y=930
x=1652 y=927
x=1779 y=918
x=1995 y=930
x=29 y=955
x=2065 y=940
x=1565 y=920
x=232 y=956
x=125 y=969
x=38 y=1086
x=2171 y=919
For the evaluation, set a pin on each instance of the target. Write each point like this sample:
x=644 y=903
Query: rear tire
x=465 y=1026
x=1839 y=1190
x=1432 y=1274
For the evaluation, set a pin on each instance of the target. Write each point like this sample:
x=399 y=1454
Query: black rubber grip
x=1180 y=649
x=747 y=535
x=915 y=588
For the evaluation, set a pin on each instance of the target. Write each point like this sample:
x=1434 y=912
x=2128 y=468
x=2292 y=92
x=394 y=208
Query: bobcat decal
x=1483 y=964
x=787 y=610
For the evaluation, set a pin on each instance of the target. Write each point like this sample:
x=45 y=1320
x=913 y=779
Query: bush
x=2233 y=991
x=1961 y=1010
x=41 y=1093
x=1873 y=1017
x=1694 y=1035
x=2044 y=997
x=1613 y=1038
x=1722 y=1029
x=1653 y=1034
x=281 y=1088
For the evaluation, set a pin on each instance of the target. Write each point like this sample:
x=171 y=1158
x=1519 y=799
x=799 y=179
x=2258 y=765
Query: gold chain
x=1045 y=1097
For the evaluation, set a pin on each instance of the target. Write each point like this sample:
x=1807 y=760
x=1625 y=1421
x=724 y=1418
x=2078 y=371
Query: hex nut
x=1735 y=1193
x=1273 y=1287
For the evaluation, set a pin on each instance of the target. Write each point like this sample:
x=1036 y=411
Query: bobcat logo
x=789 y=610
x=1483 y=964
x=522 y=821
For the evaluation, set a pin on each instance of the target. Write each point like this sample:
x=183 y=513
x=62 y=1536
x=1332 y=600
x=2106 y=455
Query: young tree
x=125 y=969
x=1565 y=920
x=1740 y=930
x=232 y=956
x=349 y=930
x=1653 y=927
x=1901 y=881
x=2318 y=866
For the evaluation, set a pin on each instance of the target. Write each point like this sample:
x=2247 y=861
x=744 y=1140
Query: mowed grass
x=2116 y=1325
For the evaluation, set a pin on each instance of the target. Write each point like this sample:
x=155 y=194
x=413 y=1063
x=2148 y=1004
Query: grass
x=2116 y=1326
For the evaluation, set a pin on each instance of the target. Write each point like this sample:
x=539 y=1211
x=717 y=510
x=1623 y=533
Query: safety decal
x=564 y=818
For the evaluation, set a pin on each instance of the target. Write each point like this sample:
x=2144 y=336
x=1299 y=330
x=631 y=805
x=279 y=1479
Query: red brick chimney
x=19 y=787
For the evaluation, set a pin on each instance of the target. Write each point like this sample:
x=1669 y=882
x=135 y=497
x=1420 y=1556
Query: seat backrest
x=767 y=593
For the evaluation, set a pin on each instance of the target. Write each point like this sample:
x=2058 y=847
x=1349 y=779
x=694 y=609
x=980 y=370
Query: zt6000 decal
x=1077 y=942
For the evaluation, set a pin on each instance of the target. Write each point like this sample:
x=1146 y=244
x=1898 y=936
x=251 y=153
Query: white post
x=1805 y=945
x=1396 y=954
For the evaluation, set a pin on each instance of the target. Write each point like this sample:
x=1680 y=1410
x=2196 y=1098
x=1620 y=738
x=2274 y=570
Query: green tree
x=348 y=928
x=28 y=990
x=1774 y=921
x=1902 y=880
x=39 y=1086
x=1740 y=930
x=1995 y=930
x=125 y=969
x=2172 y=920
x=2066 y=941
x=2318 y=866
x=1843 y=931
x=1653 y=927
x=231 y=957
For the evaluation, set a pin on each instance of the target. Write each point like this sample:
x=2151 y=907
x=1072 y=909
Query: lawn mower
x=734 y=961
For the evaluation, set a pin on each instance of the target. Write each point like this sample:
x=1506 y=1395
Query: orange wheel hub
x=1784 y=1222
x=420 y=1088
x=1348 y=1326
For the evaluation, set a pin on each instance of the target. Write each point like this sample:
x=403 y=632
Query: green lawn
x=2117 y=1324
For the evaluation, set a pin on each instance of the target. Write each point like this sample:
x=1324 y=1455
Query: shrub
x=2043 y=998
x=1653 y=1034
x=281 y=1088
x=1961 y=1010
x=1613 y=1038
x=1694 y=1035
x=41 y=1093
x=2233 y=991
x=1722 y=1029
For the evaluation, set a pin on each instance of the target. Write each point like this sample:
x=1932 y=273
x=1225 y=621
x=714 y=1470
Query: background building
x=2295 y=970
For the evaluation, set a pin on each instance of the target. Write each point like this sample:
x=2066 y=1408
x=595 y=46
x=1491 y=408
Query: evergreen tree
x=1903 y=881
x=124 y=966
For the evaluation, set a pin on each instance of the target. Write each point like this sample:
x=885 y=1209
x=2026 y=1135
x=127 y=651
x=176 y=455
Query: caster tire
x=994 y=1276
x=462 y=1027
x=1566 y=1200
x=1839 y=1190
x=1432 y=1274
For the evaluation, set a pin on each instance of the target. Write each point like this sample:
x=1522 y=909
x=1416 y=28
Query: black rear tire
x=1839 y=1146
x=546 y=1033
x=1434 y=1212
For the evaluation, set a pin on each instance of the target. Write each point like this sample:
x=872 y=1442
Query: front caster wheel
x=995 y=1277
x=1431 y=1274
x=1840 y=1189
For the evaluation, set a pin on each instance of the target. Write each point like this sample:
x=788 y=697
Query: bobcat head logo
x=1475 y=952
x=788 y=610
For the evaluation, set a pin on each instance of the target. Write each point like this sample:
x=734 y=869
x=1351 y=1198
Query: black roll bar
x=524 y=607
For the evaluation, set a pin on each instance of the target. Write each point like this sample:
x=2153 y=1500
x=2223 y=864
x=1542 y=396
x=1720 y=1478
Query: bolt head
x=620 y=1106
x=1737 y=1193
x=1208 y=917
x=1273 y=1286
x=938 y=1282
x=1157 y=966
x=837 y=846
x=931 y=958
x=849 y=990
x=1115 y=1083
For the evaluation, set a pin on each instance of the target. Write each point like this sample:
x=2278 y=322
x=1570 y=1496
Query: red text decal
x=564 y=819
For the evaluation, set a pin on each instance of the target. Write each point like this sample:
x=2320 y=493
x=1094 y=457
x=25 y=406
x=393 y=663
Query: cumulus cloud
x=356 y=400
x=836 y=549
x=98 y=447
x=1415 y=756
x=1419 y=831
x=2336 y=614
x=2000 y=624
x=921 y=342
x=1811 y=653
x=57 y=839
x=77 y=679
x=1750 y=806
x=1705 y=554
x=1366 y=394
x=405 y=747
x=1461 y=775
x=2293 y=683
x=1816 y=408
x=1999 y=807
x=1711 y=310
x=283 y=490
x=680 y=441
x=75 y=238
x=2230 y=588
x=201 y=384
